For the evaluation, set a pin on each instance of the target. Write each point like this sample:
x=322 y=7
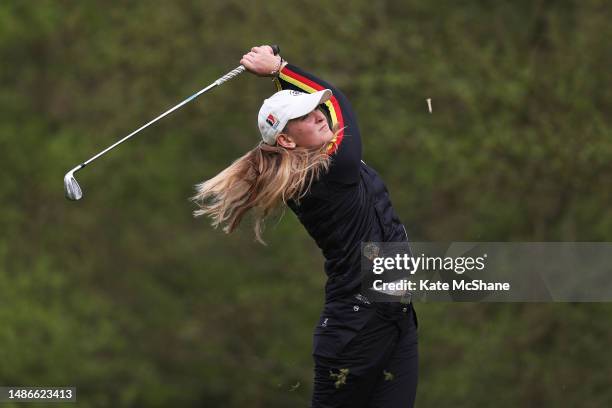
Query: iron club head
x=71 y=186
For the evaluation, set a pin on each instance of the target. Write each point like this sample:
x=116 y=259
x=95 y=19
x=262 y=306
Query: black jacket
x=349 y=204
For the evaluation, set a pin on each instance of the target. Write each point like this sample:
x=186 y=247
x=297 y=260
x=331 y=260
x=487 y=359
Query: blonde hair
x=260 y=180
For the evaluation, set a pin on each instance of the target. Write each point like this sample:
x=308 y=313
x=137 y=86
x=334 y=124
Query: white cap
x=283 y=106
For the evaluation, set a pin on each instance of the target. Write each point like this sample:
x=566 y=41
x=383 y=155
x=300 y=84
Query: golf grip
x=237 y=71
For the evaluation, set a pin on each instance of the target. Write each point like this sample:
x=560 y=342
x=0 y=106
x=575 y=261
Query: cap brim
x=308 y=102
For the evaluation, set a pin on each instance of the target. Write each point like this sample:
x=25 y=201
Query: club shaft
x=240 y=69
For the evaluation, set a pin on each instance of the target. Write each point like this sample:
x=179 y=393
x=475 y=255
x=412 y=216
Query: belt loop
x=406 y=298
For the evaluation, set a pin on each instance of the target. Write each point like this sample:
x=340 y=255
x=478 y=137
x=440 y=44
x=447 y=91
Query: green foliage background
x=127 y=297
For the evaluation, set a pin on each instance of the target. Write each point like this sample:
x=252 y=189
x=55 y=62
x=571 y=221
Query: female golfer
x=365 y=352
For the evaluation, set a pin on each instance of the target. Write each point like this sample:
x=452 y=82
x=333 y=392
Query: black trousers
x=376 y=368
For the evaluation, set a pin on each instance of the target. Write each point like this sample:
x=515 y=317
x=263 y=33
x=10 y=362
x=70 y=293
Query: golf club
x=71 y=186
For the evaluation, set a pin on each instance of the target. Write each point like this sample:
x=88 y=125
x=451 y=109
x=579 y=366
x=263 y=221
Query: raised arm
x=345 y=148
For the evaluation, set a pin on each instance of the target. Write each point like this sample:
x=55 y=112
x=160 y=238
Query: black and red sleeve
x=345 y=148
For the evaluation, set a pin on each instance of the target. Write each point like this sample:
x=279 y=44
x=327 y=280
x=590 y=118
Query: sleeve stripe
x=334 y=107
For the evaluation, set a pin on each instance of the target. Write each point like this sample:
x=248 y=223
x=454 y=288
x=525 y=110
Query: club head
x=71 y=187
